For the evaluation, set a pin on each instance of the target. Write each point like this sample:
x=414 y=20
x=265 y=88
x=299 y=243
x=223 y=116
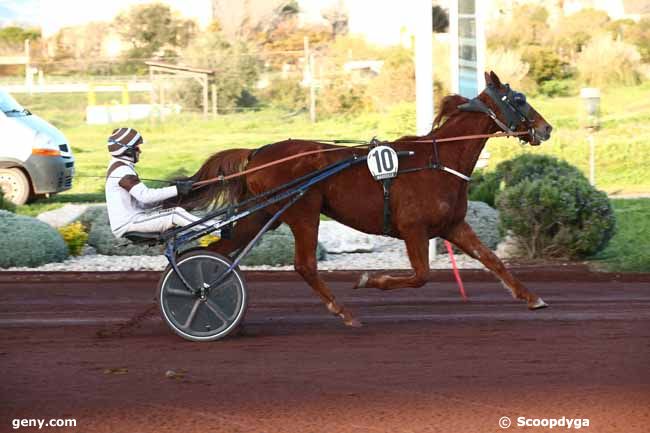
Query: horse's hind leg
x=464 y=237
x=417 y=247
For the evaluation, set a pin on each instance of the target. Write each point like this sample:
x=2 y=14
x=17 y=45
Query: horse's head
x=514 y=112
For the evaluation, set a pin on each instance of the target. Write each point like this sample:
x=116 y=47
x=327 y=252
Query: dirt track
x=423 y=362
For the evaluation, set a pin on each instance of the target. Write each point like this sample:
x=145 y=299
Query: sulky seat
x=143 y=237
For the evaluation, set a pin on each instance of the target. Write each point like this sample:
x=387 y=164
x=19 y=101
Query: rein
x=360 y=144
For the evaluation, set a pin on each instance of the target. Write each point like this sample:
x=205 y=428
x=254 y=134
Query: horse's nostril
x=548 y=130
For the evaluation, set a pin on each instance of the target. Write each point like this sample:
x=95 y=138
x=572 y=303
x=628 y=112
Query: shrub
x=341 y=97
x=545 y=64
x=286 y=94
x=486 y=186
x=276 y=249
x=102 y=239
x=556 y=217
x=75 y=237
x=5 y=204
x=606 y=62
x=396 y=80
x=28 y=242
x=558 y=88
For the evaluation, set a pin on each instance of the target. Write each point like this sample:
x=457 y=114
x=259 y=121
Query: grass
x=629 y=249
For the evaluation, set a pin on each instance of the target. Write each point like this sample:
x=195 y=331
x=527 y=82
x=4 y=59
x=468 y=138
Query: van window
x=11 y=107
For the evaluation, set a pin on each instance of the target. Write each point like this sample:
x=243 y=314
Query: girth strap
x=386 y=183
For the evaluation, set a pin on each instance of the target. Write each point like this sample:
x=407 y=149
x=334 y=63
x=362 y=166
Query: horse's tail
x=219 y=193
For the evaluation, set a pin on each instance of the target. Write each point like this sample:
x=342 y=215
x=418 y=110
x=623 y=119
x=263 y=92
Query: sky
x=51 y=15
x=382 y=26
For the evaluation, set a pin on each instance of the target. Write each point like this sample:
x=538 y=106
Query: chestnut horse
x=425 y=203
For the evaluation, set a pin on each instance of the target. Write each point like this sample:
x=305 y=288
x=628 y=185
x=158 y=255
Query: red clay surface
x=424 y=361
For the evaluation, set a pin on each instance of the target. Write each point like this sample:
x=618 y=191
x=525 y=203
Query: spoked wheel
x=202 y=319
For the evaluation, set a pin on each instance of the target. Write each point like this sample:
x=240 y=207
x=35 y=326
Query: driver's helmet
x=122 y=143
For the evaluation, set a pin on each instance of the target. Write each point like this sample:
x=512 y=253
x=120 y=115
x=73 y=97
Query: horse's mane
x=448 y=108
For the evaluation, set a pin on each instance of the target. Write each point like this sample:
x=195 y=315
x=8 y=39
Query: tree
x=440 y=19
x=527 y=26
x=639 y=35
x=575 y=31
x=235 y=64
x=151 y=28
x=337 y=17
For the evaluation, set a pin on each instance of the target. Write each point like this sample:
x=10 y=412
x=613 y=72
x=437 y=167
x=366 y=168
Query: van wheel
x=14 y=185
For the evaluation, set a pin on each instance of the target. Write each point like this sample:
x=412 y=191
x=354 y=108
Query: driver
x=132 y=206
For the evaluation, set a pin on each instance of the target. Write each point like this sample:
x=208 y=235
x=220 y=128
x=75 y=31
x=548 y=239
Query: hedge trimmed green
x=28 y=242
x=104 y=241
x=485 y=187
x=5 y=204
x=557 y=216
x=276 y=249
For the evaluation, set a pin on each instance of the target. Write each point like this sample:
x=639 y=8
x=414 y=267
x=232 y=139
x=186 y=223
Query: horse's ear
x=495 y=80
x=488 y=79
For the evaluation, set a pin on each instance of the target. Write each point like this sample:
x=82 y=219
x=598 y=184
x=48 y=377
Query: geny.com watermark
x=564 y=422
x=40 y=423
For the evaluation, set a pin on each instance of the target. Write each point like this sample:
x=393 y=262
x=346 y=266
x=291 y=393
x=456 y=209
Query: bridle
x=511 y=104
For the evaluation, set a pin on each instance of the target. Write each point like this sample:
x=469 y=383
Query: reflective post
x=591 y=99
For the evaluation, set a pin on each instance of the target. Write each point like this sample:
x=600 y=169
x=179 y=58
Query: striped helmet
x=122 y=143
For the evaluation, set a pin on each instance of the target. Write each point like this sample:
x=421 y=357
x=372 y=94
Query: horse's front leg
x=305 y=233
x=464 y=237
x=417 y=247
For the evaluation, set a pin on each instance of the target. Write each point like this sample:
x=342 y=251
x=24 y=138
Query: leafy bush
x=75 y=237
x=276 y=249
x=102 y=239
x=28 y=242
x=286 y=94
x=341 y=97
x=558 y=88
x=396 y=80
x=5 y=203
x=605 y=62
x=556 y=217
x=545 y=64
x=486 y=186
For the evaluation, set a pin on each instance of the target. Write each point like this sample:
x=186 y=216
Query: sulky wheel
x=202 y=319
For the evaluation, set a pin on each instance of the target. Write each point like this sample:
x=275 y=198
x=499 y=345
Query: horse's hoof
x=363 y=280
x=353 y=323
x=537 y=304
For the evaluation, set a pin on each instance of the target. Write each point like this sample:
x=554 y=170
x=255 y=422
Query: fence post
x=214 y=100
x=592 y=158
x=312 y=90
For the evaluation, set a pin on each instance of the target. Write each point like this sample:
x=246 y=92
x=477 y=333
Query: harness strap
x=113 y=167
x=386 y=183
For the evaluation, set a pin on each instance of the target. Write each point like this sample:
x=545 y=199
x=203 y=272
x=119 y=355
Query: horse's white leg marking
x=363 y=280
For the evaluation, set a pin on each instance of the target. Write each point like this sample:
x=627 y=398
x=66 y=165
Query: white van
x=35 y=157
